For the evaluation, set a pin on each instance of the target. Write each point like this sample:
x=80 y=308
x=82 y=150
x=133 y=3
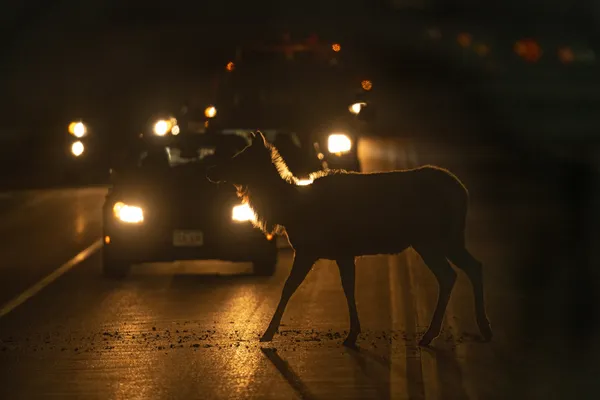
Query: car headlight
x=162 y=127
x=356 y=107
x=338 y=143
x=243 y=213
x=77 y=129
x=127 y=213
x=210 y=112
x=77 y=148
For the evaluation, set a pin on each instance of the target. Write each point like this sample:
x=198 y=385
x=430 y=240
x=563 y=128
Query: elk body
x=342 y=215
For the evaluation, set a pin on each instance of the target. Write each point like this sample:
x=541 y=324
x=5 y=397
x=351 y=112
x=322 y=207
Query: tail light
x=566 y=55
x=528 y=49
x=464 y=39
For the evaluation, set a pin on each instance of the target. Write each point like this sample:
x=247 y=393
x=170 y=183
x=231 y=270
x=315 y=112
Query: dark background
x=62 y=59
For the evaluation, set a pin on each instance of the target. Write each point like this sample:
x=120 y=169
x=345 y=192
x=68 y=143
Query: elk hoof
x=351 y=339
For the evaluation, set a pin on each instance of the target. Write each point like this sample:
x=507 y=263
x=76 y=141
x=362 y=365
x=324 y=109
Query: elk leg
x=446 y=277
x=347 y=269
x=473 y=269
x=300 y=269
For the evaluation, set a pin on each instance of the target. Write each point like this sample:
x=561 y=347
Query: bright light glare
x=243 y=213
x=77 y=148
x=304 y=182
x=175 y=130
x=161 y=128
x=210 y=112
x=79 y=130
x=356 y=107
x=129 y=214
x=339 y=143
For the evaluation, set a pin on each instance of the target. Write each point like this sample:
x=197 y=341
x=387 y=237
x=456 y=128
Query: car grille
x=200 y=208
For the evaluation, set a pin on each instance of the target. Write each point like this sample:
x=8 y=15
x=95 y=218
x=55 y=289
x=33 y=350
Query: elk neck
x=272 y=196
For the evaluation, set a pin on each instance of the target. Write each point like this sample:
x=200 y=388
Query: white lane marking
x=33 y=290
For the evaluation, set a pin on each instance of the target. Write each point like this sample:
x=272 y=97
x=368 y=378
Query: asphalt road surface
x=190 y=330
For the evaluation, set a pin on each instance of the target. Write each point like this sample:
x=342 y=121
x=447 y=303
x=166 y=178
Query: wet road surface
x=190 y=330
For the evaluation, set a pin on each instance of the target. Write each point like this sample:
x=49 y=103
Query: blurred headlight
x=175 y=130
x=77 y=148
x=127 y=213
x=77 y=129
x=356 y=107
x=339 y=143
x=162 y=127
x=243 y=213
x=210 y=112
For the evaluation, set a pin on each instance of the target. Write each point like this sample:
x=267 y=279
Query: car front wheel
x=113 y=267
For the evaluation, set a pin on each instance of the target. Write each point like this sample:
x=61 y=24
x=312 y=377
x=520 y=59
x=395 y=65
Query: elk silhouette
x=343 y=215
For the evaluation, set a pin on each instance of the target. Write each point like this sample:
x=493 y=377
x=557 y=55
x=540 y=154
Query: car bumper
x=139 y=244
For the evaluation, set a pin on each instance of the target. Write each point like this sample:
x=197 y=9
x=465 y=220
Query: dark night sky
x=68 y=57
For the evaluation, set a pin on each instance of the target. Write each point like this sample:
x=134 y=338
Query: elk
x=343 y=215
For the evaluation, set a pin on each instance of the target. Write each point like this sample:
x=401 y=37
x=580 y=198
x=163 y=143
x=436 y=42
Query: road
x=190 y=330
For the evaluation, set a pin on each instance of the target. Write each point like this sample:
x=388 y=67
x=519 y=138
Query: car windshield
x=198 y=150
x=205 y=150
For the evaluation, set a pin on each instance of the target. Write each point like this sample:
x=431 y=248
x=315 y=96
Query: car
x=161 y=207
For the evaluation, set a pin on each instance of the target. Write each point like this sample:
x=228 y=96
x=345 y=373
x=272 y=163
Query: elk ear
x=258 y=138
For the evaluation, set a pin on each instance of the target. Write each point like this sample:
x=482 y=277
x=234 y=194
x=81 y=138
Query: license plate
x=188 y=238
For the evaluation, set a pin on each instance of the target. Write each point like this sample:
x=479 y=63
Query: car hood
x=180 y=193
